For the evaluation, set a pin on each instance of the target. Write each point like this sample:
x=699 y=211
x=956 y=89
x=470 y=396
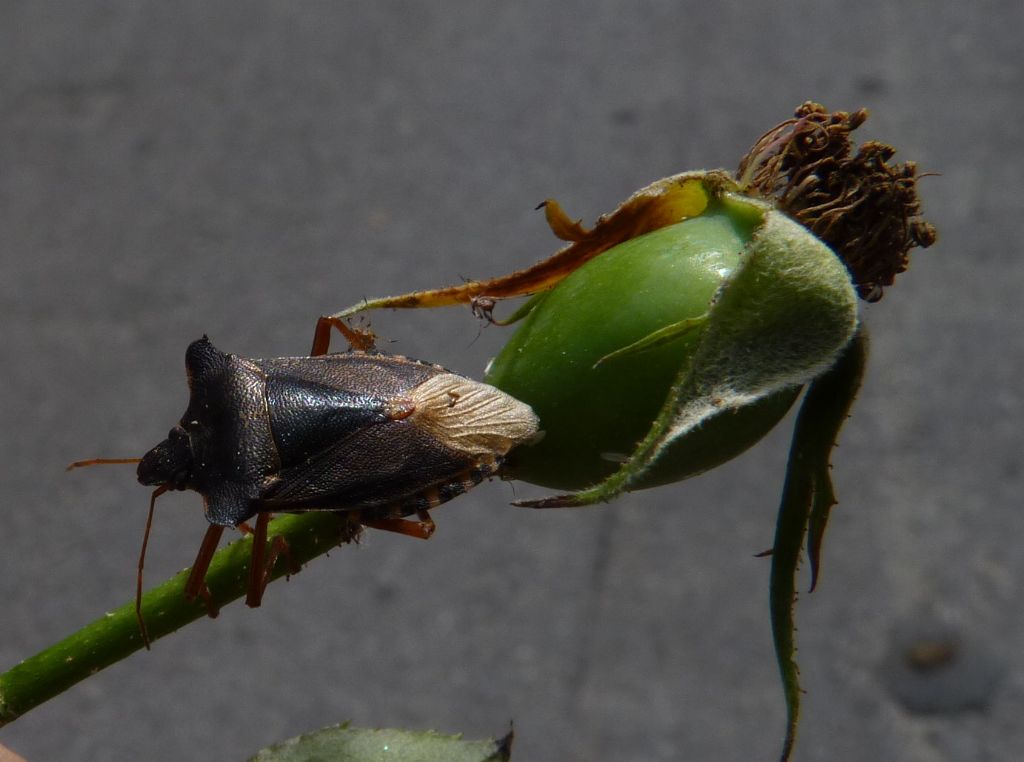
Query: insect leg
x=422 y=529
x=259 y=569
x=195 y=587
x=254 y=593
x=360 y=339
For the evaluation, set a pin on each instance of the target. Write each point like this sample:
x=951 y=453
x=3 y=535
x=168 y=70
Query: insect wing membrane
x=471 y=417
x=361 y=431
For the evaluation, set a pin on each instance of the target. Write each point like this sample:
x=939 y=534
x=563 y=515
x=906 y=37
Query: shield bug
x=380 y=437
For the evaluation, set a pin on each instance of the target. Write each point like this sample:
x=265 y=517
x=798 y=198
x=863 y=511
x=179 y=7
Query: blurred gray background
x=174 y=169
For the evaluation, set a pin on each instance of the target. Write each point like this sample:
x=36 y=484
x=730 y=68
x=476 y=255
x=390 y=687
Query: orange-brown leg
x=357 y=338
x=263 y=559
x=421 y=529
x=254 y=592
x=195 y=586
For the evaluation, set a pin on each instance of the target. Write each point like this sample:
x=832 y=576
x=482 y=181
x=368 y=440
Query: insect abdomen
x=436 y=495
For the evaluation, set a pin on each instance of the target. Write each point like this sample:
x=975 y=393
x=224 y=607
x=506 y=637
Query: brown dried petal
x=866 y=209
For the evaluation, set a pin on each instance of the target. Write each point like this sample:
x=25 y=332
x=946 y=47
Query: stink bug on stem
x=379 y=437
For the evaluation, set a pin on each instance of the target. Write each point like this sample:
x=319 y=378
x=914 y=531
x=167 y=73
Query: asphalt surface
x=170 y=170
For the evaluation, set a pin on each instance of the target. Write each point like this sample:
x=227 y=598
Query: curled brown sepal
x=863 y=207
x=662 y=203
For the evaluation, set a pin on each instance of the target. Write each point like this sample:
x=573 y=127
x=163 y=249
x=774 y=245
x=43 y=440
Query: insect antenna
x=142 y=562
x=145 y=537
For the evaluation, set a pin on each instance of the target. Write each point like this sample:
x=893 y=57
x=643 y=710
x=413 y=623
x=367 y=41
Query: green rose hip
x=675 y=350
x=594 y=421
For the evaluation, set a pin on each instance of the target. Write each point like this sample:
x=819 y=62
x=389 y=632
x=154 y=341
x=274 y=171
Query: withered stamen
x=864 y=208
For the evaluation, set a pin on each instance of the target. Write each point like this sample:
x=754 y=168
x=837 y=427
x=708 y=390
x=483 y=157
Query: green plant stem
x=115 y=635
